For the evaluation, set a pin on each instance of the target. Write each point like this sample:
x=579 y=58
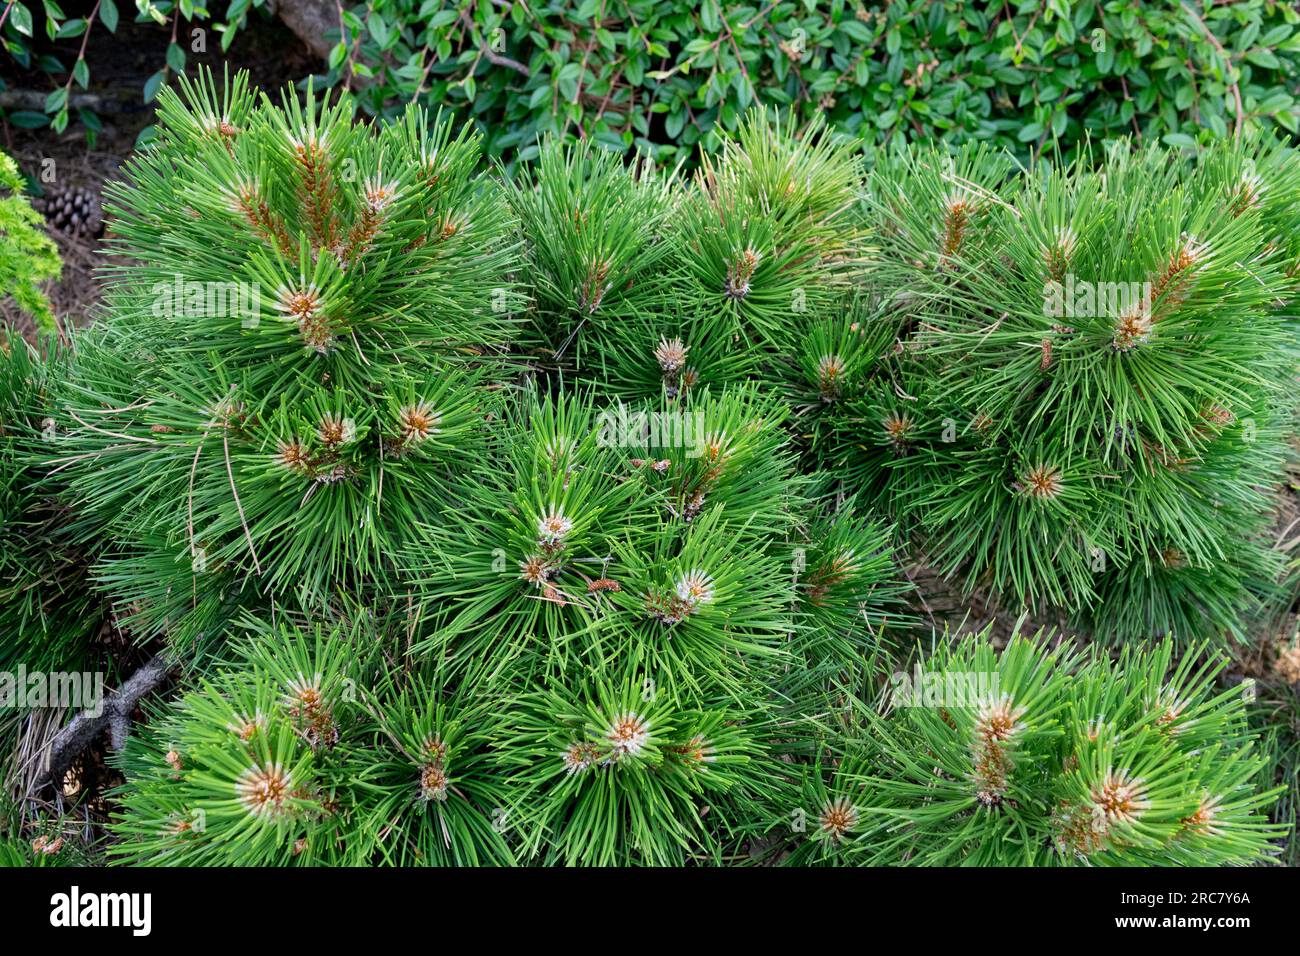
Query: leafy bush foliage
x=673 y=80
x=25 y=34
x=28 y=257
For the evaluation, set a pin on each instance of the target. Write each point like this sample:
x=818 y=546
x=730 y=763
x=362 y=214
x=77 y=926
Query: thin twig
x=1227 y=63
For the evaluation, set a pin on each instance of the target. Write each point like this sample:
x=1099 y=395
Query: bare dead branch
x=114 y=715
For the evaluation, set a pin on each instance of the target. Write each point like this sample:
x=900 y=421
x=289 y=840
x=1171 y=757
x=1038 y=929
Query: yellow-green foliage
x=27 y=256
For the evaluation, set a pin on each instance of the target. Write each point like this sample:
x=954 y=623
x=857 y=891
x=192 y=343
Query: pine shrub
x=551 y=521
x=48 y=616
x=363 y=454
x=1040 y=755
x=647 y=613
x=651 y=285
x=1087 y=405
x=308 y=748
x=299 y=345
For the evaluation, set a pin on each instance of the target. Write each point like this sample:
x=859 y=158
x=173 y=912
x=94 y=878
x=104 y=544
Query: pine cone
x=74 y=210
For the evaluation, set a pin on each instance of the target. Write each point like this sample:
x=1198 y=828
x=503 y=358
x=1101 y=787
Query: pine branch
x=115 y=716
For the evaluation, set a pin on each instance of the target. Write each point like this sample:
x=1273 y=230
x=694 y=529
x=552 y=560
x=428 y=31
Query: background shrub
x=666 y=77
x=27 y=256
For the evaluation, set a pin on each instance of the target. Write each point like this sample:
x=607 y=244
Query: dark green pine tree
x=47 y=615
x=650 y=285
x=1040 y=755
x=487 y=531
x=1087 y=403
x=518 y=623
x=299 y=345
